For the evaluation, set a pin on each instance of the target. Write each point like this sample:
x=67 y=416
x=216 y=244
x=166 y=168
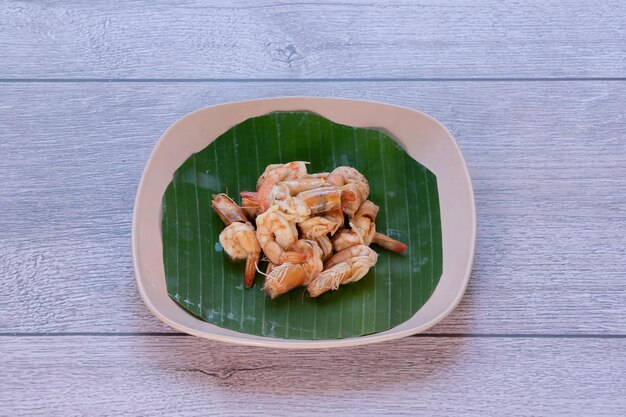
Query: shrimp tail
x=388 y=243
x=263 y=195
x=251 y=267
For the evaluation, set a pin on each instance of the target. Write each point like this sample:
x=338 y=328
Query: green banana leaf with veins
x=206 y=283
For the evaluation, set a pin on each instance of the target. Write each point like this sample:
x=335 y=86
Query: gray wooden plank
x=546 y=160
x=327 y=39
x=189 y=376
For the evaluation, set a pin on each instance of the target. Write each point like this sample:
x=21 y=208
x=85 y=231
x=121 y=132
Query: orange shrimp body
x=275 y=174
x=362 y=228
x=314 y=229
x=275 y=233
x=323 y=224
x=321 y=199
x=354 y=185
x=309 y=197
x=287 y=276
x=363 y=231
x=227 y=209
x=240 y=242
x=238 y=238
x=250 y=204
x=325 y=245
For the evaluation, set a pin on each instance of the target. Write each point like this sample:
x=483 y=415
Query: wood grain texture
x=435 y=376
x=547 y=162
x=322 y=39
x=546 y=158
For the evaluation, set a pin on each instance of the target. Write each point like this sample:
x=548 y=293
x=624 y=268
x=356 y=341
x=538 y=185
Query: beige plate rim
x=422 y=136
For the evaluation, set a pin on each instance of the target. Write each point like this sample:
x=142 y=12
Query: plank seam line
x=422 y=335
x=306 y=80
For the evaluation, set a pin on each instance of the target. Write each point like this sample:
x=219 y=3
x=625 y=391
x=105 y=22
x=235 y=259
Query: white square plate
x=424 y=138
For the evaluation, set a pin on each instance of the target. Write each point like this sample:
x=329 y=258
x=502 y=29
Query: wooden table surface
x=534 y=92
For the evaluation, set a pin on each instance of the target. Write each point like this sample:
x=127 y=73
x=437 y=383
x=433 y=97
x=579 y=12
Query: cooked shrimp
x=249 y=204
x=276 y=174
x=294 y=209
x=363 y=221
x=325 y=245
x=344 y=255
x=275 y=233
x=290 y=204
x=303 y=184
x=363 y=231
x=389 y=243
x=322 y=175
x=344 y=267
x=356 y=188
x=238 y=238
x=283 y=194
x=227 y=209
x=362 y=228
x=346 y=238
x=269 y=168
x=310 y=198
x=363 y=224
x=336 y=217
x=322 y=224
x=301 y=174
x=317 y=228
x=289 y=275
x=321 y=199
x=240 y=242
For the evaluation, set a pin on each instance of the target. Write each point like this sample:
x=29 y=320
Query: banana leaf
x=204 y=281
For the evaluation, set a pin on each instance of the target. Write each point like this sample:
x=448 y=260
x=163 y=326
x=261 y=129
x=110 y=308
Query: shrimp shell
x=227 y=209
x=249 y=204
x=355 y=187
x=346 y=238
x=349 y=265
x=287 y=276
x=326 y=245
x=320 y=200
x=321 y=225
x=363 y=221
x=275 y=233
x=274 y=175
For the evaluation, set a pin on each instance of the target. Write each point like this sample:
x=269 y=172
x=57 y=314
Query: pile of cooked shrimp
x=314 y=229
